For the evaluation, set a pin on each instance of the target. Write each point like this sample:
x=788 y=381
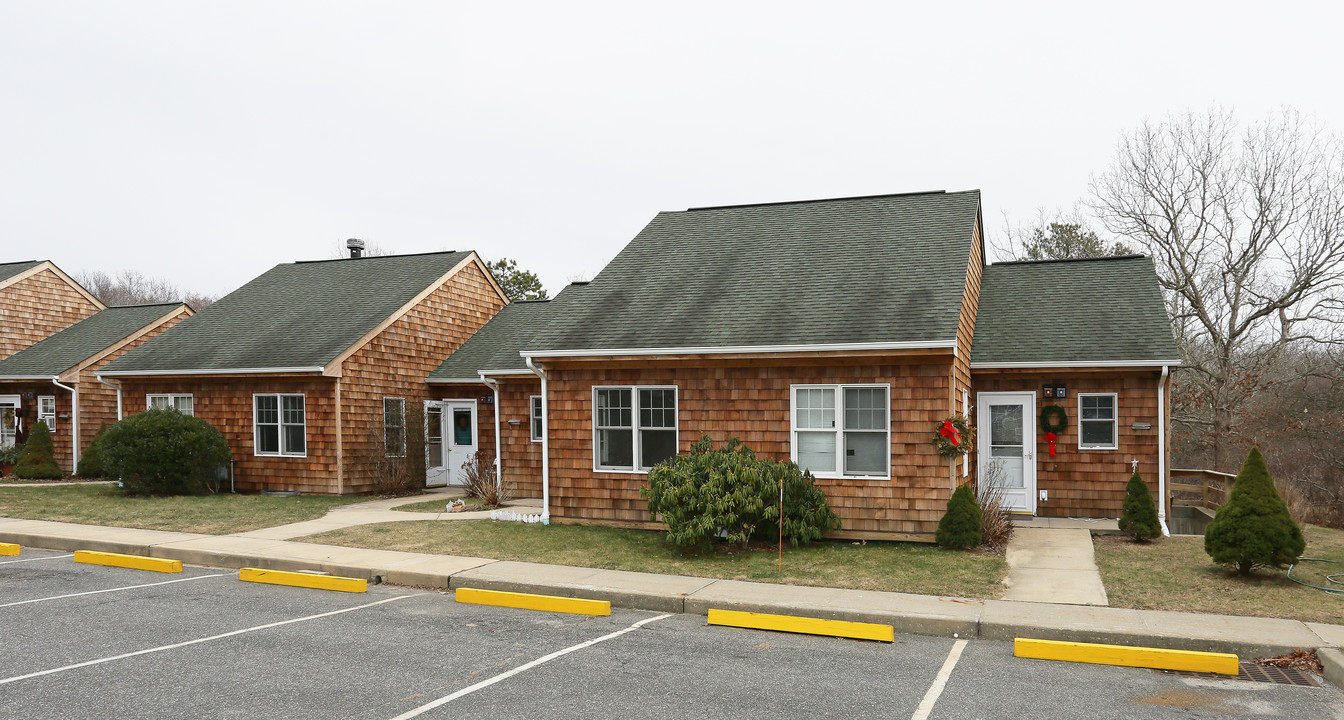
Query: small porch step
x=1097 y=526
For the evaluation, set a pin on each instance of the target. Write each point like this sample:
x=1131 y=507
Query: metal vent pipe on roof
x=356 y=247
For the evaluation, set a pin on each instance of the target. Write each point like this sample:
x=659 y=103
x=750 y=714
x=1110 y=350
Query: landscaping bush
x=1138 y=517
x=9 y=456
x=962 y=526
x=163 y=452
x=394 y=471
x=37 y=461
x=1253 y=528
x=482 y=480
x=730 y=493
x=91 y=462
x=996 y=525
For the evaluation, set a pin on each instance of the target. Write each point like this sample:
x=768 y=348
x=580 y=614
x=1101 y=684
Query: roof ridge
x=1129 y=256
x=376 y=257
x=153 y=304
x=834 y=199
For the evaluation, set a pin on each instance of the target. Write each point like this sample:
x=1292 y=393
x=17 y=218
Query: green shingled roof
x=81 y=341
x=1096 y=310
x=9 y=270
x=298 y=315
x=884 y=269
x=497 y=344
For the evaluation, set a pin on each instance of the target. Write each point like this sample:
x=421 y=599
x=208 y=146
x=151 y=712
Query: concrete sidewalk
x=916 y=614
x=379 y=511
x=1053 y=565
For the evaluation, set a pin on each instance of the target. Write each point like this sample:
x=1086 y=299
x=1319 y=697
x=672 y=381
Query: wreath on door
x=1054 y=419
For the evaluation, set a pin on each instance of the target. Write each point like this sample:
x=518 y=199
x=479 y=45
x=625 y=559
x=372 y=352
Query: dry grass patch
x=1176 y=574
x=440 y=505
x=897 y=567
x=211 y=514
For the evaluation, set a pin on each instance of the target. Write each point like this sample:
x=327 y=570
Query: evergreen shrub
x=163 y=452
x=1254 y=527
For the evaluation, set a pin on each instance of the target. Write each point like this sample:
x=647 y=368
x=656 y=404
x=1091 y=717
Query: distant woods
x=131 y=287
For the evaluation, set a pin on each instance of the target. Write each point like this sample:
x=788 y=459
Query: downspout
x=114 y=386
x=340 y=447
x=545 y=445
x=1162 y=450
x=74 y=421
x=499 y=466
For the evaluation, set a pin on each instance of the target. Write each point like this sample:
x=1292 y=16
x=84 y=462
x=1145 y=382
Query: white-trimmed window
x=1097 y=421
x=46 y=411
x=534 y=417
x=634 y=427
x=842 y=430
x=394 y=427
x=183 y=403
x=278 y=425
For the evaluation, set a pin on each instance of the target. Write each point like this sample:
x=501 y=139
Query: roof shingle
x=81 y=341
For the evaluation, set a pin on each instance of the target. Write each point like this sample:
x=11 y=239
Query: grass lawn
x=213 y=514
x=901 y=567
x=438 y=506
x=1176 y=574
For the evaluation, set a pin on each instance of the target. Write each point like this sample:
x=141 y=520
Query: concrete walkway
x=1053 y=565
x=916 y=614
x=378 y=511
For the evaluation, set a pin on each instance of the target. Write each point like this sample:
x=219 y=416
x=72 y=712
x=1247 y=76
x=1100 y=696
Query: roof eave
x=746 y=349
x=1053 y=364
x=213 y=371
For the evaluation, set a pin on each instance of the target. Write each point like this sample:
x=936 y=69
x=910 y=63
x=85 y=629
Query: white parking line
x=49 y=557
x=115 y=589
x=522 y=668
x=221 y=636
x=939 y=682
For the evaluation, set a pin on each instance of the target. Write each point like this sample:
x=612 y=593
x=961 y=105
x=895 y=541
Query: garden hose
x=1335 y=579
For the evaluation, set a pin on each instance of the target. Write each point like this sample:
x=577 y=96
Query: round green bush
x=962 y=526
x=1138 y=518
x=91 y=462
x=1254 y=527
x=731 y=494
x=163 y=452
x=37 y=460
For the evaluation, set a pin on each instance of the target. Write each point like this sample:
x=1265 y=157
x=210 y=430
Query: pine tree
x=1254 y=527
x=962 y=526
x=38 y=459
x=1138 y=519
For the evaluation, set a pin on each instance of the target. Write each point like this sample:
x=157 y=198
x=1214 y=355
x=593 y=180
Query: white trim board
x=227 y=371
x=825 y=347
x=1076 y=364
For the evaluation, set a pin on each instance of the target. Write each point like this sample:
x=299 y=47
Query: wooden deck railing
x=1201 y=488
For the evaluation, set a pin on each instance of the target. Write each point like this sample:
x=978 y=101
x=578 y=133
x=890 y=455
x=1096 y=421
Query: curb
x=907 y=613
x=1332 y=660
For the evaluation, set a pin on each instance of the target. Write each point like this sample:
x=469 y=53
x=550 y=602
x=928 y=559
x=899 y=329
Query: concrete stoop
x=916 y=614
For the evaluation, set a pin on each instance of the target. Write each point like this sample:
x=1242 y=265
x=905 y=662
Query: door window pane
x=434 y=436
x=1005 y=424
x=464 y=435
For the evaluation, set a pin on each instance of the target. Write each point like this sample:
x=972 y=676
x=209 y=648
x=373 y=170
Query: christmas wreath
x=954 y=437
x=1054 y=419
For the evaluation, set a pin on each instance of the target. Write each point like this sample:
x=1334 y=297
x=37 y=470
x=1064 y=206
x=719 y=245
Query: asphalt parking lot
x=82 y=641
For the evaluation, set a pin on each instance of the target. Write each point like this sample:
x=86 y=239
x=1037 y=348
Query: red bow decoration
x=950 y=432
x=1051 y=438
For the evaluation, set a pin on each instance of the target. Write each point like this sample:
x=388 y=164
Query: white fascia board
x=453 y=381
x=723 y=350
x=47 y=378
x=1076 y=364
x=229 y=371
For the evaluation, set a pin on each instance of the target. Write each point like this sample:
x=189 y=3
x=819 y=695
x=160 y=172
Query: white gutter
x=74 y=421
x=116 y=387
x=545 y=446
x=229 y=371
x=832 y=347
x=1075 y=364
x=499 y=465
x=1162 y=451
x=25 y=377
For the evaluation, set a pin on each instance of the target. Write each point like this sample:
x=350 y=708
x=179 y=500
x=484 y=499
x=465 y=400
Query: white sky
x=206 y=142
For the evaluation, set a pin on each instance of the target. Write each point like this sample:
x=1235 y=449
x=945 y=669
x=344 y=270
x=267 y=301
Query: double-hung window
x=1097 y=421
x=394 y=427
x=183 y=403
x=534 y=417
x=842 y=430
x=278 y=426
x=634 y=427
x=46 y=411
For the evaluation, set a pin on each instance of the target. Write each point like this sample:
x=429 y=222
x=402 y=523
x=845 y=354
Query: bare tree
x=131 y=287
x=1247 y=230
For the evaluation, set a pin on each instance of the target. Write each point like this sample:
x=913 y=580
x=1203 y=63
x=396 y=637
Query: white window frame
x=1115 y=421
x=280 y=425
x=634 y=424
x=172 y=399
x=534 y=420
x=387 y=451
x=47 y=417
x=839 y=429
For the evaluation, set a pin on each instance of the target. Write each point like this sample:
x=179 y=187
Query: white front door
x=1007 y=430
x=450 y=440
x=9 y=419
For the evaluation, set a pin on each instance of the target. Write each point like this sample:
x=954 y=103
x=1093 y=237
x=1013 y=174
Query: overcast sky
x=206 y=142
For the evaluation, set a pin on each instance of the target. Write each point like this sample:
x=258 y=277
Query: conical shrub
x=1138 y=518
x=1254 y=527
x=38 y=459
x=961 y=526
